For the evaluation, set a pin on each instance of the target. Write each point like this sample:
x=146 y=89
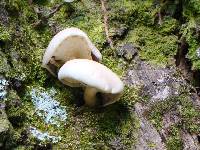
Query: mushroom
x=68 y=44
x=102 y=86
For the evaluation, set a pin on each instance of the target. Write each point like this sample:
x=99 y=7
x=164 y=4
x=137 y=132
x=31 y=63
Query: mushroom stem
x=90 y=96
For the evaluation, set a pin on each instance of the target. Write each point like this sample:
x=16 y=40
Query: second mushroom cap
x=95 y=77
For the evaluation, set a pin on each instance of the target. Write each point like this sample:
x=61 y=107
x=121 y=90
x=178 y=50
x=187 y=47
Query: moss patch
x=190 y=30
x=188 y=113
x=174 y=141
x=154 y=47
x=185 y=109
x=89 y=128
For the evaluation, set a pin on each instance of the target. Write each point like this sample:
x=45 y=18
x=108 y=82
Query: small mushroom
x=102 y=86
x=68 y=44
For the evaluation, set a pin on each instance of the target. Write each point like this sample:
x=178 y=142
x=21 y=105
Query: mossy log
x=141 y=41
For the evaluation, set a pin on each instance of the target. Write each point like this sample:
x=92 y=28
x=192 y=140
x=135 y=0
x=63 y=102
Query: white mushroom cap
x=95 y=77
x=69 y=44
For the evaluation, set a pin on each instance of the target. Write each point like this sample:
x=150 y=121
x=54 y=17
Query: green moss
x=115 y=65
x=86 y=129
x=130 y=12
x=188 y=113
x=169 y=26
x=131 y=96
x=154 y=47
x=4 y=34
x=85 y=15
x=26 y=48
x=190 y=30
x=26 y=58
x=4 y=66
x=89 y=128
x=157 y=111
x=104 y=128
x=191 y=8
x=174 y=141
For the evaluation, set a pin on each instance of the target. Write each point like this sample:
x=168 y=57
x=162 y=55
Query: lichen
x=162 y=94
x=3 y=87
x=47 y=107
x=44 y=136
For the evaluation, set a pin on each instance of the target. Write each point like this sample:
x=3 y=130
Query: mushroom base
x=93 y=97
x=108 y=98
